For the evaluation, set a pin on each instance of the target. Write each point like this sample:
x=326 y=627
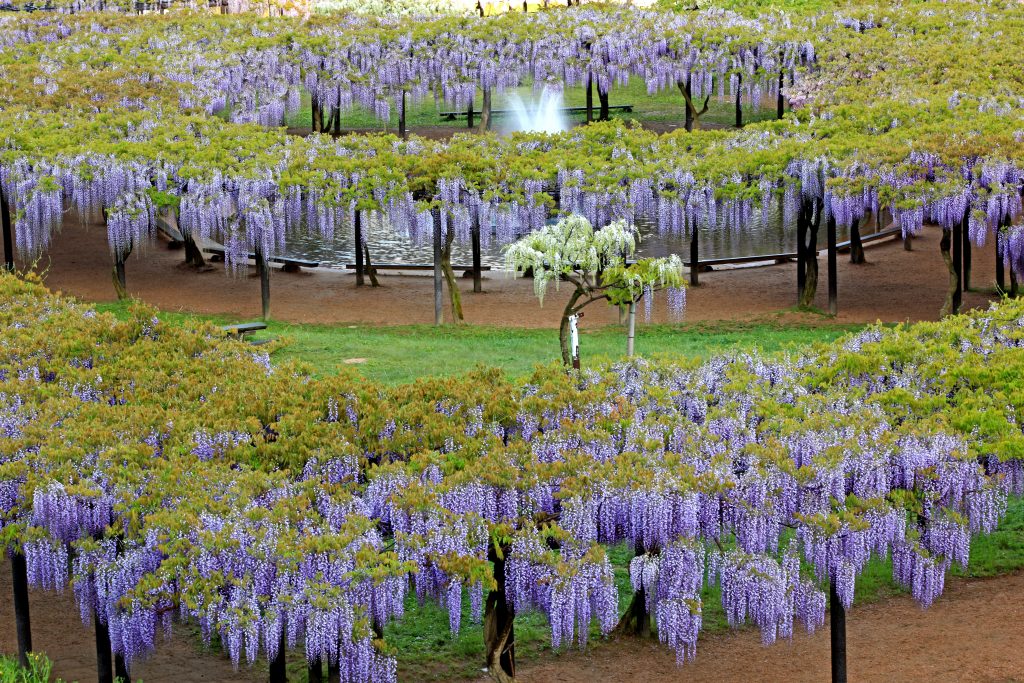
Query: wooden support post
x=22 y=622
x=5 y=219
x=469 y=115
x=833 y=282
x=438 y=275
x=478 y=285
x=104 y=662
x=694 y=258
x=358 y=227
x=837 y=625
x=264 y=273
x=958 y=266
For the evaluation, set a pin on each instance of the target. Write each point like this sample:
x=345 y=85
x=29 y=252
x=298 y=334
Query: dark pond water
x=386 y=246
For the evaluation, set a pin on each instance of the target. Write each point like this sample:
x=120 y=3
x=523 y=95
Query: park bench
x=291 y=265
x=873 y=237
x=177 y=240
x=453 y=115
x=241 y=330
x=467 y=271
x=707 y=264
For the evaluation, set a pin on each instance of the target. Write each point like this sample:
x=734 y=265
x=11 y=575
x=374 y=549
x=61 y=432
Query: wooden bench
x=709 y=263
x=177 y=240
x=291 y=265
x=453 y=115
x=467 y=271
x=240 y=330
x=873 y=237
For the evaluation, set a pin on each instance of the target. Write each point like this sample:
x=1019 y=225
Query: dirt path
x=974 y=634
x=895 y=285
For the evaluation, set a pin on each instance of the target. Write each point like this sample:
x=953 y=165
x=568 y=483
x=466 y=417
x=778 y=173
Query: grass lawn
x=399 y=354
x=663 y=107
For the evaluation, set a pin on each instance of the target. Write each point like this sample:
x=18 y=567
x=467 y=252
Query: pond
x=387 y=246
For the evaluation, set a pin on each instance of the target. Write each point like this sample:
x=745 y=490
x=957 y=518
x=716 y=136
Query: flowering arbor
x=275 y=509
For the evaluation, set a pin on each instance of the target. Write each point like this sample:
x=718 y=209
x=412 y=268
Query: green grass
x=401 y=354
x=663 y=107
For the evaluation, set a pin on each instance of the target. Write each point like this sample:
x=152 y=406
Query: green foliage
x=38 y=671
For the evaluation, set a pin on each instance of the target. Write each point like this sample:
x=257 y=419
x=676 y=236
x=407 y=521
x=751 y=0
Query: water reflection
x=387 y=246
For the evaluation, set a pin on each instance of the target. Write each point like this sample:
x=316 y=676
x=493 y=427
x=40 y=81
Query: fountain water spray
x=545 y=116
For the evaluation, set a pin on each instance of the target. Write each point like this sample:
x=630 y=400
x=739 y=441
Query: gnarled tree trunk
x=499 y=633
x=449 y=277
x=856 y=246
x=637 y=620
x=485 y=111
x=810 y=254
x=954 y=282
x=692 y=113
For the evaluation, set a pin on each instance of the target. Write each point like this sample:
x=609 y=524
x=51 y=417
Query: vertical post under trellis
x=801 y=249
x=1000 y=275
x=780 y=103
x=22 y=622
x=264 y=273
x=833 y=277
x=315 y=671
x=121 y=674
x=104 y=662
x=694 y=258
x=958 y=263
x=333 y=671
x=5 y=219
x=837 y=627
x=739 y=101
x=401 y=117
x=358 y=228
x=438 y=310
x=469 y=115
x=965 y=235
x=278 y=665
x=590 y=98
x=631 y=333
x=478 y=285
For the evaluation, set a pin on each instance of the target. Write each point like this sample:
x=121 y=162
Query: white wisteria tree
x=596 y=263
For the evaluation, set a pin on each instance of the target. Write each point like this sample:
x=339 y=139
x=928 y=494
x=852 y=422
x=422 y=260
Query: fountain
x=545 y=116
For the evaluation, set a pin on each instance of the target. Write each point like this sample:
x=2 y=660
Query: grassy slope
x=403 y=353
x=663 y=107
x=426 y=649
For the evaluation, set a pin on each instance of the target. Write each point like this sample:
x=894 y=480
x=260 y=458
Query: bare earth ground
x=973 y=633
x=895 y=285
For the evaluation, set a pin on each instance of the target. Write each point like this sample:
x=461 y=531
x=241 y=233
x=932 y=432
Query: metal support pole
x=264 y=273
x=1000 y=275
x=574 y=340
x=358 y=224
x=833 y=286
x=5 y=219
x=837 y=624
x=22 y=622
x=478 y=285
x=631 y=334
x=958 y=264
x=438 y=311
x=694 y=258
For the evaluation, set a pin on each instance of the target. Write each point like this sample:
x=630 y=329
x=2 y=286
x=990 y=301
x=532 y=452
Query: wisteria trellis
x=861 y=140
x=275 y=509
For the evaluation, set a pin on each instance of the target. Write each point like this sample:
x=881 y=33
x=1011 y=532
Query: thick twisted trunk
x=499 y=631
x=449 y=277
x=856 y=246
x=810 y=254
